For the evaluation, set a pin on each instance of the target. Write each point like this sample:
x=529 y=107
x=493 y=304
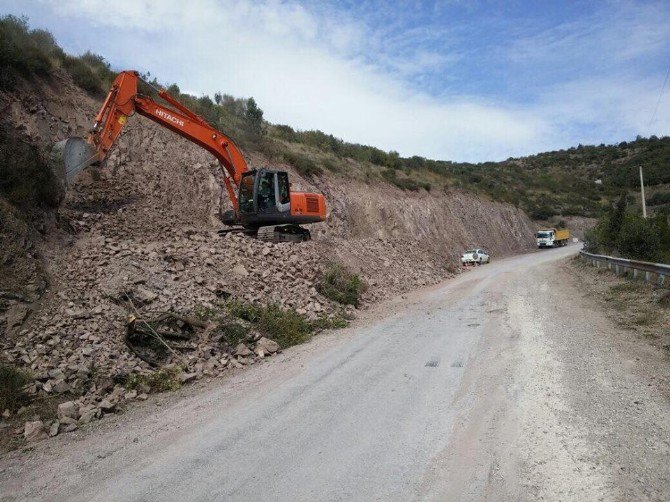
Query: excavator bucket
x=70 y=156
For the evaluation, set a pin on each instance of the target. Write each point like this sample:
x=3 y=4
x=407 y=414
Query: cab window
x=282 y=184
x=246 y=197
x=266 y=193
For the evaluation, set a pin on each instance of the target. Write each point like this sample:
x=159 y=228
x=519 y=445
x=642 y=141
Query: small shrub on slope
x=341 y=286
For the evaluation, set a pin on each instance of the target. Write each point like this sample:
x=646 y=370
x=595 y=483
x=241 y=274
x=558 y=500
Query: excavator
x=264 y=206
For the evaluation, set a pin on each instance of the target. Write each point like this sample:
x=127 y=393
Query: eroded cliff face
x=145 y=226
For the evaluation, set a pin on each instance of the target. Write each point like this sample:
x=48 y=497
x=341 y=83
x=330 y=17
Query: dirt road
x=506 y=383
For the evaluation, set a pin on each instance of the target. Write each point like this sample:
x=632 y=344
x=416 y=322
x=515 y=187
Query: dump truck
x=552 y=237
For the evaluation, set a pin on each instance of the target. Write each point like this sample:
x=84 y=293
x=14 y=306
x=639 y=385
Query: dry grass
x=643 y=309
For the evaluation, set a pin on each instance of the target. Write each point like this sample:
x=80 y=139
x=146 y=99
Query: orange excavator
x=264 y=206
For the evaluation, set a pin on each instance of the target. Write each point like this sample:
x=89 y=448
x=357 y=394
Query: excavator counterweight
x=264 y=206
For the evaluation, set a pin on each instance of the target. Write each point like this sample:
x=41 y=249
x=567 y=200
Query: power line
x=660 y=96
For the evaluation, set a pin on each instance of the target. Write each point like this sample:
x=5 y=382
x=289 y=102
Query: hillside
x=139 y=237
x=580 y=181
x=84 y=281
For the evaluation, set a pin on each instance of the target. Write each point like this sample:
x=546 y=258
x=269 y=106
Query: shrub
x=163 y=380
x=270 y=148
x=304 y=165
x=233 y=332
x=20 y=55
x=638 y=239
x=82 y=75
x=253 y=117
x=100 y=67
x=285 y=326
x=12 y=388
x=391 y=176
x=334 y=322
x=341 y=286
x=332 y=165
x=543 y=212
x=26 y=180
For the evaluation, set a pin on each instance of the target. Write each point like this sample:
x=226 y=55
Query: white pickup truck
x=472 y=256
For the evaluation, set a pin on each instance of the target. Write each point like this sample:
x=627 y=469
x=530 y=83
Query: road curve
x=493 y=385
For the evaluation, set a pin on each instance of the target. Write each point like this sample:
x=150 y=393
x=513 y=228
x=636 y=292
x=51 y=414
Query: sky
x=451 y=80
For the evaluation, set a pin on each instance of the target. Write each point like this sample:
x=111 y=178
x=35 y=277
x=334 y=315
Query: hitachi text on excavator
x=263 y=204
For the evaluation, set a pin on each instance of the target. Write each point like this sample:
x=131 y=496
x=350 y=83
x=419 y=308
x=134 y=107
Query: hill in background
x=579 y=181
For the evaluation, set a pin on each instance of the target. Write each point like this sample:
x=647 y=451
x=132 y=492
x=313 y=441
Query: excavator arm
x=124 y=100
x=264 y=206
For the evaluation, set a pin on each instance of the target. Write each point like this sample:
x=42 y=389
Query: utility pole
x=644 y=202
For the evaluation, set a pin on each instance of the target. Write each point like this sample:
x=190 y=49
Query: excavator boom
x=266 y=194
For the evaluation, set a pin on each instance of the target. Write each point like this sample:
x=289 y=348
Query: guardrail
x=652 y=272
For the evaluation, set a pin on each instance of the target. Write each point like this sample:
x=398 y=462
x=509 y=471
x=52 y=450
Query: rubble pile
x=139 y=237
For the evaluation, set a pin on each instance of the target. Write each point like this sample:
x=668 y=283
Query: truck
x=552 y=237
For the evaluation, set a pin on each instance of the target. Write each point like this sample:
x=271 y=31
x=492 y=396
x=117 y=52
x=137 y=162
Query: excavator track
x=283 y=233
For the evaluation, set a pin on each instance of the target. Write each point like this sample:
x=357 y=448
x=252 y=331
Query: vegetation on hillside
x=583 y=181
x=26 y=181
x=26 y=53
x=341 y=286
x=624 y=232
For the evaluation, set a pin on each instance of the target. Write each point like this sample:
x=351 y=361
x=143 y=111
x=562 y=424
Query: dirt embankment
x=146 y=226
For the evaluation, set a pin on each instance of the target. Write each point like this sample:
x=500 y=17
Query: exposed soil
x=146 y=223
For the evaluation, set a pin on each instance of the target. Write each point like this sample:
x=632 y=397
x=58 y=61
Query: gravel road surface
x=506 y=383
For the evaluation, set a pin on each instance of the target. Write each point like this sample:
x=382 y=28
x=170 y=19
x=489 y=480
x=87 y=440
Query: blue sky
x=454 y=80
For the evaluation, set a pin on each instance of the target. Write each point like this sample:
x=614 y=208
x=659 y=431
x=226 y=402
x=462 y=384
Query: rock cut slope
x=146 y=226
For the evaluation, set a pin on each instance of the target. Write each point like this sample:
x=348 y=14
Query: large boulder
x=267 y=346
x=34 y=431
x=68 y=409
x=242 y=350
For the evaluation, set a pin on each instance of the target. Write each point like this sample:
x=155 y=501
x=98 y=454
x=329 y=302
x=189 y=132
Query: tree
x=615 y=221
x=254 y=119
x=638 y=239
x=218 y=97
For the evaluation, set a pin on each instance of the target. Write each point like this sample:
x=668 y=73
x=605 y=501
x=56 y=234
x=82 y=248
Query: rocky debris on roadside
x=142 y=239
x=34 y=431
x=265 y=346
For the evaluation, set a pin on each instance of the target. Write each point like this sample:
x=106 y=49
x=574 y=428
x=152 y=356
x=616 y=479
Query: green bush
x=637 y=239
x=390 y=175
x=233 y=332
x=100 y=67
x=254 y=117
x=285 y=326
x=20 y=53
x=304 y=165
x=341 y=286
x=332 y=165
x=543 y=212
x=82 y=75
x=12 y=388
x=26 y=180
x=631 y=236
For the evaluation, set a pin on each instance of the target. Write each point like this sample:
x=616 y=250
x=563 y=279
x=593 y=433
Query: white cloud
x=311 y=66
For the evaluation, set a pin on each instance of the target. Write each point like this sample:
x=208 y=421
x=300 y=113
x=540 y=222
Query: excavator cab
x=268 y=209
x=264 y=193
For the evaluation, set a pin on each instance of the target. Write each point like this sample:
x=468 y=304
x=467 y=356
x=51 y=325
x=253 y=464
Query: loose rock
x=34 y=431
